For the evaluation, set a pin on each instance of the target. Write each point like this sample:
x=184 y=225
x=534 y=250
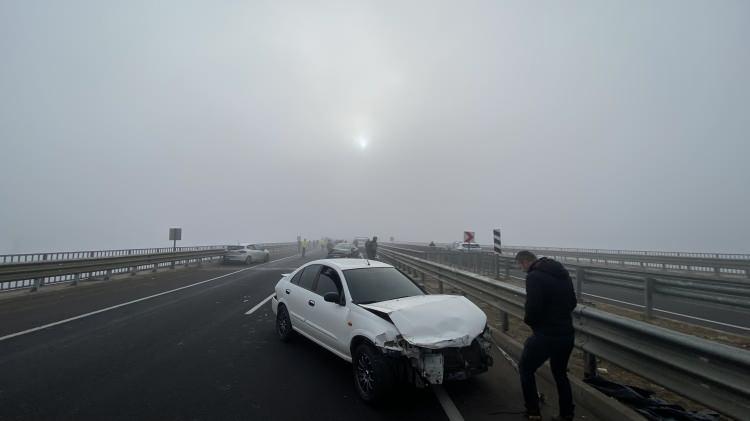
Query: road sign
x=468 y=236
x=496 y=236
x=175 y=234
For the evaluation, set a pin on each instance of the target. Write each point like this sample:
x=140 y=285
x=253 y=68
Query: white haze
x=611 y=124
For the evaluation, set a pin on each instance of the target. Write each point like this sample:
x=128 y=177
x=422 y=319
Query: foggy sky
x=611 y=124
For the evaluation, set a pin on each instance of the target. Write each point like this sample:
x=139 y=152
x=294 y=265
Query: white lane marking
x=447 y=403
x=260 y=304
x=116 y=306
x=672 y=313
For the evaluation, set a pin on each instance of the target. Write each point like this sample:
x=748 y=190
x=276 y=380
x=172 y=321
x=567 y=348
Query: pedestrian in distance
x=304 y=247
x=371 y=248
x=550 y=301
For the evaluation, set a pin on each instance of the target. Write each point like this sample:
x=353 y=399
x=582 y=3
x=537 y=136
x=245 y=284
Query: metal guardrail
x=727 y=292
x=21 y=271
x=719 y=264
x=712 y=374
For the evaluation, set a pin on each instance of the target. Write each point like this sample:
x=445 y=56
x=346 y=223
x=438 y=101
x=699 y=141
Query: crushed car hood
x=434 y=321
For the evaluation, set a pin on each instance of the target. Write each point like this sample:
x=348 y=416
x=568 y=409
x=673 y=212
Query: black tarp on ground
x=646 y=404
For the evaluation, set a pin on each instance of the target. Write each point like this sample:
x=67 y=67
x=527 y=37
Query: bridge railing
x=35 y=270
x=732 y=293
x=718 y=264
x=710 y=373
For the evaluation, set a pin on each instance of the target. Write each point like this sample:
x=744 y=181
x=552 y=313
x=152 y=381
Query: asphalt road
x=178 y=345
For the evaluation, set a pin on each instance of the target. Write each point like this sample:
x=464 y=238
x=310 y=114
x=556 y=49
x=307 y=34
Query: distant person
x=550 y=300
x=329 y=245
x=304 y=247
x=432 y=244
x=371 y=248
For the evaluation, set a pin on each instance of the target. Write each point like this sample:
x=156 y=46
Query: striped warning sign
x=496 y=236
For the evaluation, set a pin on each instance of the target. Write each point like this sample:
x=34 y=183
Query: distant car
x=343 y=250
x=247 y=254
x=471 y=247
x=374 y=316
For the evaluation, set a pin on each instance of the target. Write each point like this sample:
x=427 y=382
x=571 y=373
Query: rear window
x=372 y=285
x=235 y=247
x=308 y=276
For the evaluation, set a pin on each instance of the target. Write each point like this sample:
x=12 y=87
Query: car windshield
x=344 y=246
x=372 y=285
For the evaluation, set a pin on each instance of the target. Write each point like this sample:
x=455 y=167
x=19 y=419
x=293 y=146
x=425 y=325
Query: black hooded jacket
x=550 y=298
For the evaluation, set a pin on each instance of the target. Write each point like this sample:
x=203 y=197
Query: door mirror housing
x=332 y=297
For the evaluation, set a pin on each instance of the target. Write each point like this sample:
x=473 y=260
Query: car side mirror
x=332 y=297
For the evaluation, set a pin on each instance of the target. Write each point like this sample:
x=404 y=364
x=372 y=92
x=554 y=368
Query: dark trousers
x=538 y=349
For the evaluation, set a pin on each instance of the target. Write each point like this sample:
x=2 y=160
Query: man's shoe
x=533 y=416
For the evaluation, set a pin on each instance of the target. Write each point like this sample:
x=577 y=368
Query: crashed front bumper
x=436 y=366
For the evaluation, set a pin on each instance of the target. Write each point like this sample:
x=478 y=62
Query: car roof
x=346 y=264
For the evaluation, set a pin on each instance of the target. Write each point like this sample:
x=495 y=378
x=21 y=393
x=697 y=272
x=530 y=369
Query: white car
x=246 y=253
x=374 y=316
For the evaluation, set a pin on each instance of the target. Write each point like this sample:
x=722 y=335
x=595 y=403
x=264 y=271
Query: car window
x=295 y=278
x=234 y=248
x=251 y=247
x=372 y=285
x=328 y=281
x=308 y=277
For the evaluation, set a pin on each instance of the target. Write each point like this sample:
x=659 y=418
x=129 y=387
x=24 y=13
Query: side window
x=328 y=281
x=308 y=276
x=295 y=278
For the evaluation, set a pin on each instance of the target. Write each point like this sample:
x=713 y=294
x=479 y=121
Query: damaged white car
x=374 y=316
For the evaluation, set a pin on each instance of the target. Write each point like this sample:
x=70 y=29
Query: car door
x=300 y=296
x=257 y=255
x=330 y=320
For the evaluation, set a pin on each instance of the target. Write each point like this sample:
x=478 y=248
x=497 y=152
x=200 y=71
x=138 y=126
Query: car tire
x=284 y=324
x=373 y=375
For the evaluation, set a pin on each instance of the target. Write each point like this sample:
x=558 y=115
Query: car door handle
x=288 y=292
x=311 y=303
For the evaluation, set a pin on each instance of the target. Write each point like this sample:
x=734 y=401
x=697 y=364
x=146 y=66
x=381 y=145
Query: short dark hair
x=525 y=256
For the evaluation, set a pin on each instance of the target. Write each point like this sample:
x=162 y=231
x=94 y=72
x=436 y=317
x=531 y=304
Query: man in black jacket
x=550 y=300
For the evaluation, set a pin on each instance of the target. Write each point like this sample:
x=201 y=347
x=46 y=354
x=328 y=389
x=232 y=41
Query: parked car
x=374 y=316
x=344 y=250
x=247 y=254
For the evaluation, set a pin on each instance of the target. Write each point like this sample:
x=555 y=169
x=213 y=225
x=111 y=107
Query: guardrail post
x=38 y=282
x=580 y=278
x=649 y=297
x=155 y=268
x=76 y=279
x=497 y=266
x=589 y=365
x=504 y=321
x=200 y=262
x=108 y=275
